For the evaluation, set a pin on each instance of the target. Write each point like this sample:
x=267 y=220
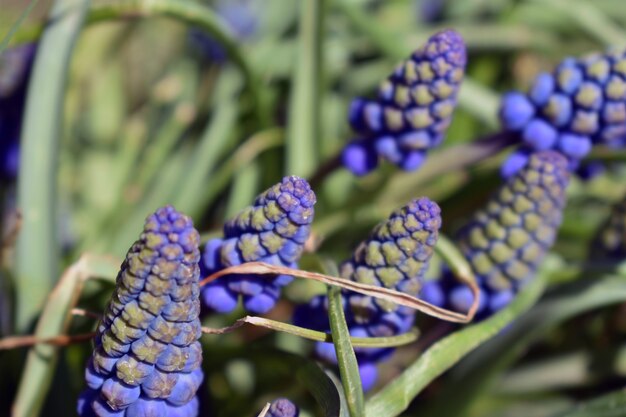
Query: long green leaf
x=304 y=114
x=397 y=396
x=37 y=245
x=55 y=320
x=214 y=143
x=346 y=358
x=480 y=369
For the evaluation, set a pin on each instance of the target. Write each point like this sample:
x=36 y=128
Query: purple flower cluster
x=412 y=110
x=273 y=230
x=581 y=104
x=15 y=67
x=282 y=407
x=506 y=242
x=146 y=359
x=394 y=256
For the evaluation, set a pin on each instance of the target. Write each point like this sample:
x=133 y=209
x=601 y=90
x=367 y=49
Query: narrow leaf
x=371 y=290
x=610 y=405
x=397 y=396
x=346 y=358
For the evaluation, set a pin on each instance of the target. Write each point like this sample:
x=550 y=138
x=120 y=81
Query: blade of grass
x=346 y=358
x=18 y=23
x=304 y=111
x=397 y=395
x=55 y=319
x=367 y=342
x=37 y=245
x=591 y=19
x=480 y=369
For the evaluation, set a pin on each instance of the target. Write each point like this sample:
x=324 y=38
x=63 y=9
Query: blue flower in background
x=282 y=407
x=146 y=358
x=273 y=230
x=506 y=242
x=581 y=104
x=15 y=67
x=241 y=17
x=412 y=110
x=395 y=256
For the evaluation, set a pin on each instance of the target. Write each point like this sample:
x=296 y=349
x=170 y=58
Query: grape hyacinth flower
x=282 y=407
x=146 y=358
x=273 y=230
x=412 y=110
x=581 y=104
x=242 y=19
x=15 y=67
x=506 y=242
x=394 y=256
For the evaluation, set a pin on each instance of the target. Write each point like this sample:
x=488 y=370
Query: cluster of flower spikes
x=242 y=19
x=15 y=68
x=273 y=230
x=146 y=360
x=395 y=256
x=507 y=240
x=282 y=407
x=413 y=108
x=581 y=104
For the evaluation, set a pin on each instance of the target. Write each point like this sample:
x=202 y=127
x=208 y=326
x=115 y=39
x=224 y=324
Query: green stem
x=37 y=246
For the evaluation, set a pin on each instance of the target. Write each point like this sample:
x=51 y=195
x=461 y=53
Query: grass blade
x=37 y=245
x=480 y=369
x=17 y=25
x=54 y=321
x=396 y=397
x=346 y=358
x=304 y=114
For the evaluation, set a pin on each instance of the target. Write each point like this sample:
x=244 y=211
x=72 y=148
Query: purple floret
x=412 y=110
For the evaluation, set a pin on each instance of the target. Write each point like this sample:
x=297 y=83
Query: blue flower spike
x=272 y=230
x=395 y=256
x=506 y=241
x=146 y=358
x=412 y=110
x=581 y=104
x=282 y=407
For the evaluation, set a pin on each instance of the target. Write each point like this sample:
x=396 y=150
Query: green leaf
x=480 y=369
x=214 y=143
x=55 y=320
x=396 y=397
x=346 y=358
x=304 y=111
x=610 y=405
x=37 y=245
